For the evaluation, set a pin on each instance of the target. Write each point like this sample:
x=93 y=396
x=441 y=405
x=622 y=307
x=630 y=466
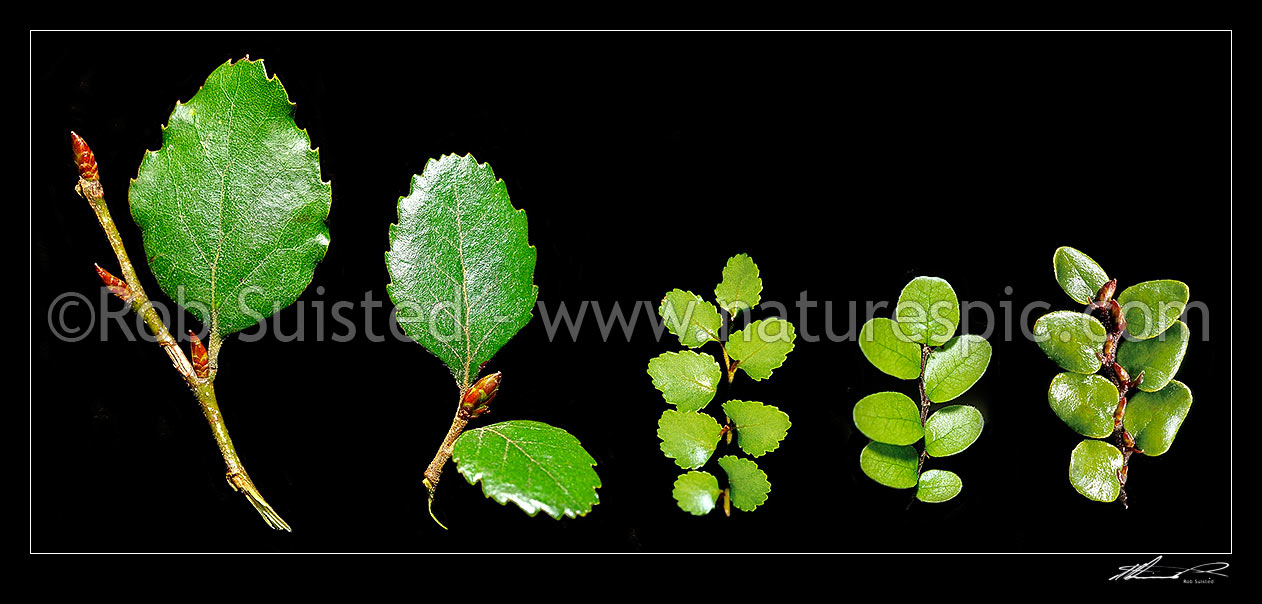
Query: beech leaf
x=759 y=427
x=1159 y=358
x=1085 y=402
x=1153 y=418
x=688 y=438
x=693 y=320
x=891 y=465
x=1078 y=274
x=889 y=417
x=952 y=369
x=937 y=486
x=461 y=268
x=762 y=346
x=534 y=465
x=696 y=492
x=952 y=429
x=928 y=311
x=231 y=207
x=1072 y=339
x=748 y=484
x=741 y=288
x=1152 y=307
x=686 y=379
x=1093 y=467
x=885 y=346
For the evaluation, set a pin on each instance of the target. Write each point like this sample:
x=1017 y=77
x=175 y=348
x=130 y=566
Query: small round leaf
x=891 y=465
x=952 y=429
x=759 y=427
x=688 y=438
x=1159 y=358
x=885 y=346
x=937 y=486
x=1085 y=402
x=741 y=288
x=696 y=492
x=952 y=369
x=888 y=417
x=1093 y=470
x=686 y=379
x=1072 y=339
x=1152 y=307
x=748 y=485
x=762 y=346
x=1153 y=418
x=928 y=311
x=692 y=319
x=1078 y=274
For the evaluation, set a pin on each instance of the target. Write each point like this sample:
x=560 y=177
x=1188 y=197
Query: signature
x=1151 y=570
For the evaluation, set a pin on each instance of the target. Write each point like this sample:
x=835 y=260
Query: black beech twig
x=200 y=377
x=1110 y=314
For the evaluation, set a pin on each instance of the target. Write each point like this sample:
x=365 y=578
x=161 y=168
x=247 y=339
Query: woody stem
x=203 y=389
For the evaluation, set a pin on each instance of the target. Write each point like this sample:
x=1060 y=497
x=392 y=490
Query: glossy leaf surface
x=688 y=438
x=1159 y=358
x=1085 y=402
x=693 y=320
x=1078 y=274
x=1072 y=339
x=741 y=287
x=937 y=486
x=759 y=427
x=1093 y=467
x=696 y=492
x=461 y=268
x=1153 y=418
x=686 y=379
x=952 y=369
x=534 y=465
x=231 y=207
x=928 y=311
x=762 y=346
x=885 y=346
x=889 y=417
x=1152 y=307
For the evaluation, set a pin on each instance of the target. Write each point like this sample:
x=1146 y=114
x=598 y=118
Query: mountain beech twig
x=199 y=376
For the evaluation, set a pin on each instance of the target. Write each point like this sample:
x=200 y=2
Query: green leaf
x=232 y=208
x=762 y=346
x=888 y=417
x=952 y=369
x=741 y=287
x=1093 y=470
x=461 y=268
x=696 y=492
x=952 y=429
x=687 y=379
x=1153 y=418
x=759 y=427
x=937 y=486
x=1085 y=402
x=688 y=438
x=1152 y=307
x=1078 y=274
x=891 y=465
x=532 y=464
x=889 y=350
x=748 y=484
x=1072 y=339
x=1159 y=358
x=928 y=311
x=692 y=319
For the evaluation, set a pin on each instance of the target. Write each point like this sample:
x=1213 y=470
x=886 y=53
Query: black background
x=844 y=164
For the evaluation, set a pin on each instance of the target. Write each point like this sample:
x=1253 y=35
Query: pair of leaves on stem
x=927 y=316
x=689 y=380
x=462 y=281
x=1155 y=343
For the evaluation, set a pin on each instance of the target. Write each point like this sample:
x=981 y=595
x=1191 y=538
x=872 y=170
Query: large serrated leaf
x=759 y=427
x=693 y=320
x=888 y=417
x=952 y=369
x=762 y=347
x=741 y=287
x=232 y=208
x=928 y=311
x=1072 y=339
x=1078 y=274
x=937 y=486
x=1093 y=467
x=885 y=346
x=891 y=465
x=461 y=267
x=686 y=379
x=688 y=438
x=1153 y=418
x=696 y=492
x=1159 y=358
x=746 y=482
x=1084 y=402
x=952 y=429
x=534 y=465
x=1152 y=307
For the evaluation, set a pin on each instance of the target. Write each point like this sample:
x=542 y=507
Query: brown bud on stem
x=1106 y=293
x=83 y=158
x=117 y=286
x=477 y=399
x=201 y=360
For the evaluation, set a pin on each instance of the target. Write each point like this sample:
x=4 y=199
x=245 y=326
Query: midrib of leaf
x=508 y=441
x=223 y=196
x=947 y=375
x=895 y=350
x=464 y=289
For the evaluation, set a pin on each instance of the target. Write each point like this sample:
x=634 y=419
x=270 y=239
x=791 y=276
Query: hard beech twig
x=200 y=377
x=474 y=402
x=1111 y=316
